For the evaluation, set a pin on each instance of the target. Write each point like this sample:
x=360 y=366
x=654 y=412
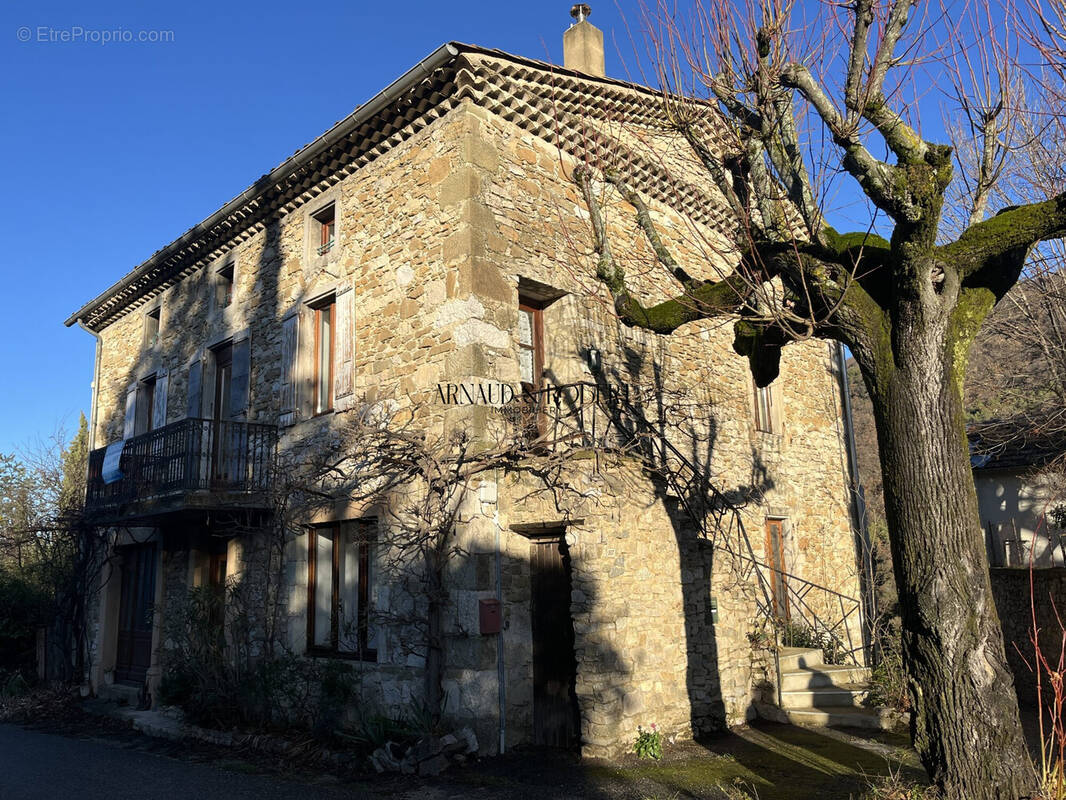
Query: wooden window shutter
x=196 y=380
x=304 y=371
x=159 y=402
x=129 y=424
x=239 y=381
x=344 y=340
x=289 y=357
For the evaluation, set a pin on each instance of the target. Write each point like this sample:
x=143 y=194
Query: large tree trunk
x=966 y=725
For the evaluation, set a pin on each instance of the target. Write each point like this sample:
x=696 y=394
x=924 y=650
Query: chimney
x=583 y=44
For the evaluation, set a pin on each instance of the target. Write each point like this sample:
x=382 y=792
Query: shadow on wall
x=674 y=433
x=195 y=318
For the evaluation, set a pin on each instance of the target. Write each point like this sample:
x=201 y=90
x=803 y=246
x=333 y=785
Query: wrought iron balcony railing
x=213 y=459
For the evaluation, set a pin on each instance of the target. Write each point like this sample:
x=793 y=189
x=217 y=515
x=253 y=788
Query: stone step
x=819 y=675
x=842 y=717
x=825 y=697
x=792 y=658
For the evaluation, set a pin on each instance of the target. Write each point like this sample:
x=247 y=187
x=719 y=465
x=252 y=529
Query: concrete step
x=850 y=696
x=843 y=717
x=820 y=675
x=792 y=658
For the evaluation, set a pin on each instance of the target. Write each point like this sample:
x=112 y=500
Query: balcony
x=195 y=465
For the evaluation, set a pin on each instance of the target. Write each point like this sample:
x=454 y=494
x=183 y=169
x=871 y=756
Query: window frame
x=225 y=282
x=156 y=315
x=326 y=228
x=365 y=543
x=144 y=405
x=765 y=418
x=536 y=311
x=330 y=303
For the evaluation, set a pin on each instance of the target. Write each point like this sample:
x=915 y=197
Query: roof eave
x=389 y=94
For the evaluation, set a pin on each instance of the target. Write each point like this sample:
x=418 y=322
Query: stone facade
x=436 y=239
x=1020 y=597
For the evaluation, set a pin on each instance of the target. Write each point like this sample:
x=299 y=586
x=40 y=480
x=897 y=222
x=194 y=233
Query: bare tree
x=773 y=108
x=419 y=476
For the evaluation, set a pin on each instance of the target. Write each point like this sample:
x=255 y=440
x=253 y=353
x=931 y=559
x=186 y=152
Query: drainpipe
x=858 y=515
x=500 y=667
x=96 y=384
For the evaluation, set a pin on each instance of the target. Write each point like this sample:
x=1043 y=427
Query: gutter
x=96 y=383
x=442 y=55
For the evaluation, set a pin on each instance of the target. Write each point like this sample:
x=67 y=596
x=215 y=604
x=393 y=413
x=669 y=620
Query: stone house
x=1020 y=491
x=434 y=238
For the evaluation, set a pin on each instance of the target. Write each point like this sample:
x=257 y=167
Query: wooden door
x=775 y=560
x=555 y=711
x=134 y=651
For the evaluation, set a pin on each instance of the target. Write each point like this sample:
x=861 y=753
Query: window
x=765 y=412
x=145 y=405
x=338 y=589
x=530 y=345
x=151 y=327
x=224 y=286
x=325 y=222
x=324 y=351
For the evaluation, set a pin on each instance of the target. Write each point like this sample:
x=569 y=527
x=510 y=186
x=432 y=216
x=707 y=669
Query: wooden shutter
x=129 y=424
x=196 y=379
x=344 y=350
x=239 y=382
x=305 y=365
x=289 y=354
x=159 y=401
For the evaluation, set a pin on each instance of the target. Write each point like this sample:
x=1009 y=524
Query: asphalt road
x=42 y=766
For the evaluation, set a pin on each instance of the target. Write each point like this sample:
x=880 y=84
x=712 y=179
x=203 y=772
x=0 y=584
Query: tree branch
x=648 y=227
x=979 y=253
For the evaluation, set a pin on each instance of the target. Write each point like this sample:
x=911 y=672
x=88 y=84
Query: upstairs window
x=325 y=222
x=325 y=346
x=151 y=328
x=145 y=405
x=224 y=286
x=339 y=577
x=530 y=345
x=765 y=410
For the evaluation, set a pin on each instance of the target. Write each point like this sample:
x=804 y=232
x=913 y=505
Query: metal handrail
x=713 y=512
x=188 y=455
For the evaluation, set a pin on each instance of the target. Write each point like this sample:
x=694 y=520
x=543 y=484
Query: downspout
x=87 y=667
x=857 y=506
x=500 y=667
x=96 y=384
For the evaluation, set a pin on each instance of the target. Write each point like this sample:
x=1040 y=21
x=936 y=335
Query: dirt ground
x=766 y=760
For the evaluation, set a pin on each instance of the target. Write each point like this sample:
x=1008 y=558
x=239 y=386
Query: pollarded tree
x=786 y=111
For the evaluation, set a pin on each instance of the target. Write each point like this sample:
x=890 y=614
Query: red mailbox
x=490 y=615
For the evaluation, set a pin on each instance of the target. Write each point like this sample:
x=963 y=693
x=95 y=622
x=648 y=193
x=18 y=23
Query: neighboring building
x=1019 y=491
x=1018 y=470
x=434 y=237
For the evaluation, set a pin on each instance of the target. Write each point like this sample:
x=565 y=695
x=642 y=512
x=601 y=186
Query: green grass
x=777 y=761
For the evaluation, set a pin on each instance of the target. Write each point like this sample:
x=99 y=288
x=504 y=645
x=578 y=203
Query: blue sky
x=114 y=149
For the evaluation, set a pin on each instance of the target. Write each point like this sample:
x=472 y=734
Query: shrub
x=649 y=743
x=894 y=787
x=221 y=677
x=793 y=634
x=888 y=683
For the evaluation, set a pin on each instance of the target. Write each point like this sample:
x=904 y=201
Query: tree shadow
x=675 y=432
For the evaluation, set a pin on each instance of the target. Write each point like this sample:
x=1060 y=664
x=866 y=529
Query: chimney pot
x=583 y=43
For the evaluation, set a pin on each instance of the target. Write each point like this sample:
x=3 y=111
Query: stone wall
x=435 y=238
x=1016 y=599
